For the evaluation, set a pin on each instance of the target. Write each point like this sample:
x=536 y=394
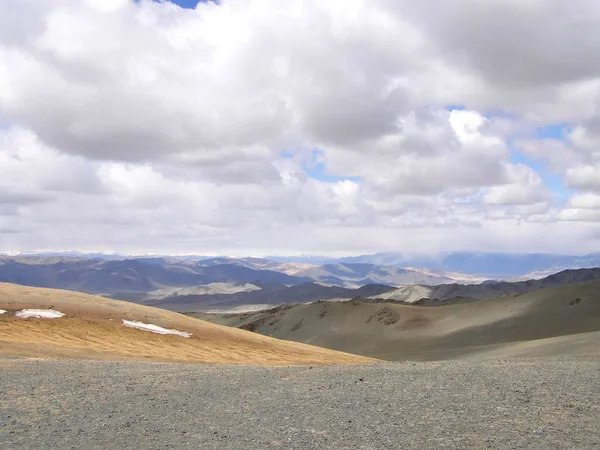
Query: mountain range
x=245 y=300
x=223 y=283
x=135 y=278
x=480 y=264
x=477 y=264
x=427 y=295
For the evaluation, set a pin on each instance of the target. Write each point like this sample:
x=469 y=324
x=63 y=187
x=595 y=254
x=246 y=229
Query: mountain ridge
x=482 y=264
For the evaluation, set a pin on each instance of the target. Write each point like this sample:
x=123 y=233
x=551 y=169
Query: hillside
x=99 y=328
x=451 y=292
x=509 y=325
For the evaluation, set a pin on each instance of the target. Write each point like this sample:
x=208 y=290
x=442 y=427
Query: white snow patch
x=2 y=311
x=154 y=328
x=39 y=314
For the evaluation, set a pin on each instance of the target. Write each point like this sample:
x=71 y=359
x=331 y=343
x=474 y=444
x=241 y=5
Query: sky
x=339 y=127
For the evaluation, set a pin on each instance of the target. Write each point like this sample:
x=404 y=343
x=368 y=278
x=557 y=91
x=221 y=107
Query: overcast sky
x=300 y=126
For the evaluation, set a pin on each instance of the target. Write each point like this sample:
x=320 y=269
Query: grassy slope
x=92 y=329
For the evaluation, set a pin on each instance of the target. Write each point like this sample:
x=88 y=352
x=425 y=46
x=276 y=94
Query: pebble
x=521 y=403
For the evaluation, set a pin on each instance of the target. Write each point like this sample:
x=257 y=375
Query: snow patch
x=154 y=328
x=2 y=311
x=39 y=314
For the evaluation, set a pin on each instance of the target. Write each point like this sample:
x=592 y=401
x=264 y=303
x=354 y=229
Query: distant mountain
x=428 y=295
x=255 y=263
x=493 y=265
x=108 y=277
x=315 y=260
x=269 y=294
x=180 y=284
x=479 y=264
x=356 y=275
x=454 y=265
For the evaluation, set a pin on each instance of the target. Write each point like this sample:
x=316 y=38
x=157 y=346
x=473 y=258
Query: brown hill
x=92 y=327
x=540 y=322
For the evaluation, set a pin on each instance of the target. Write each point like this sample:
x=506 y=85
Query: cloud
x=501 y=39
x=142 y=126
x=525 y=188
x=584 y=177
x=586 y=200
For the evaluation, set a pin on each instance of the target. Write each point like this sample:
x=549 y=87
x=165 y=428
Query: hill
x=564 y=319
x=87 y=326
x=448 y=293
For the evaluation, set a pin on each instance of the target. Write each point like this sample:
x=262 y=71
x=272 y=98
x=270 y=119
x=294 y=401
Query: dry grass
x=92 y=328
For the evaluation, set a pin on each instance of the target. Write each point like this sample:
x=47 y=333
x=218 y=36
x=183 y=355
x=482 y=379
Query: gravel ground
x=520 y=403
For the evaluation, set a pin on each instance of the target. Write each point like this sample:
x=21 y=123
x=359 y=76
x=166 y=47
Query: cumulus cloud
x=525 y=188
x=585 y=200
x=585 y=177
x=143 y=126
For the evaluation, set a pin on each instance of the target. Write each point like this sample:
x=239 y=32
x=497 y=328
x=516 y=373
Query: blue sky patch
x=191 y=4
x=316 y=168
x=188 y=4
x=553 y=181
x=554 y=131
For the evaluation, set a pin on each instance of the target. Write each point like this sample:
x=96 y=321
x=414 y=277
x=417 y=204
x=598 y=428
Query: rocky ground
x=521 y=403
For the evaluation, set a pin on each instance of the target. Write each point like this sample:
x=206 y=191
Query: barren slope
x=92 y=328
x=450 y=292
x=396 y=331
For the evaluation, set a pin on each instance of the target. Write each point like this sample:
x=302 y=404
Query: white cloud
x=525 y=188
x=147 y=127
x=586 y=200
x=584 y=177
x=581 y=215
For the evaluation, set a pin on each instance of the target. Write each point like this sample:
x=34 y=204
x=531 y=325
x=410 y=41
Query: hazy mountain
x=269 y=294
x=130 y=275
x=254 y=263
x=315 y=260
x=490 y=265
x=493 y=265
x=355 y=275
x=487 y=290
x=454 y=265
x=224 y=281
x=274 y=294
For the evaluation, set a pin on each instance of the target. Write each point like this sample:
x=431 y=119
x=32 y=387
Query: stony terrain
x=505 y=404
